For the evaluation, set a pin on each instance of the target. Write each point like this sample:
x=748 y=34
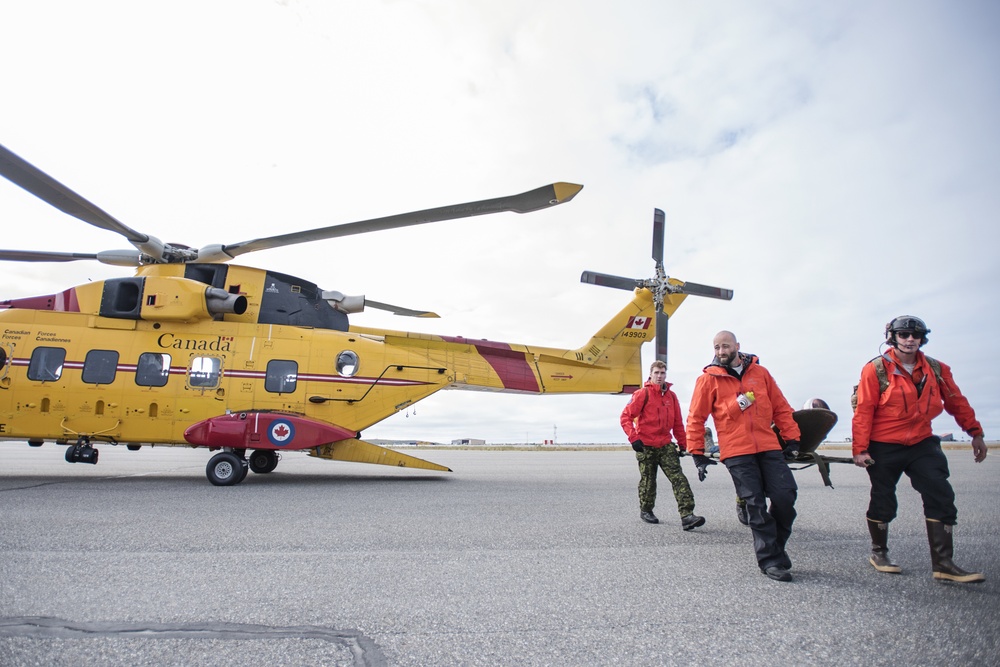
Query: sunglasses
x=907 y=334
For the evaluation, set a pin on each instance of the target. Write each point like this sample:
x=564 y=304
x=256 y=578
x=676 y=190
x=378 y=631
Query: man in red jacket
x=652 y=414
x=900 y=392
x=744 y=400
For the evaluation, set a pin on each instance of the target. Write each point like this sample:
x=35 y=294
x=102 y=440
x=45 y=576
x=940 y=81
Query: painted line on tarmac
x=364 y=651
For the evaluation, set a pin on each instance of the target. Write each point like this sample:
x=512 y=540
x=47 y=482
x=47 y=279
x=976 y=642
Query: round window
x=347 y=363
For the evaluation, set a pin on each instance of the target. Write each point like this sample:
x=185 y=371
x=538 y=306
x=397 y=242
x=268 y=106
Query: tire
x=226 y=469
x=263 y=461
x=244 y=468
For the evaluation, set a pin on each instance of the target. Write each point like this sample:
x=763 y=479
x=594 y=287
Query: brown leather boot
x=942 y=549
x=880 y=551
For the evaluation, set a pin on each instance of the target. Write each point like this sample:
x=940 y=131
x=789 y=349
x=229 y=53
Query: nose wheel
x=226 y=469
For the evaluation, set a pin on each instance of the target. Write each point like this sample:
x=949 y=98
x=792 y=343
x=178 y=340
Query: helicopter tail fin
x=611 y=361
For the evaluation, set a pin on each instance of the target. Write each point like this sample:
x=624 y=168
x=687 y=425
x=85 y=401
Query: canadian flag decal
x=638 y=323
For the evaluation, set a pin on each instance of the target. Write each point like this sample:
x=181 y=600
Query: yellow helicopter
x=192 y=351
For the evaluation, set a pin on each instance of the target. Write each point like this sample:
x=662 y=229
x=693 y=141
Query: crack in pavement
x=364 y=651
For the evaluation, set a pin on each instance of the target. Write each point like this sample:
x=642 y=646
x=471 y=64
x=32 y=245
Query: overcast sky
x=834 y=163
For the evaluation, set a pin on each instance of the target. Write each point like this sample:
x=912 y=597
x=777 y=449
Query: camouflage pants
x=667 y=459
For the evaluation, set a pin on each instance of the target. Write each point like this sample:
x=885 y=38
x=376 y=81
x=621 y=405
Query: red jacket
x=739 y=431
x=652 y=415
x=898 y=415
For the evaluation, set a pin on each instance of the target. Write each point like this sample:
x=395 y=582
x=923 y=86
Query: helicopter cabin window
x=100 y=367
x=347 y=363
x=46 y=364
x=282 y=376
x=153 y=369
x=204 y=372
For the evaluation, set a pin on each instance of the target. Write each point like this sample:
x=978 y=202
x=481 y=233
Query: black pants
x=757 y=478
x=926 y=466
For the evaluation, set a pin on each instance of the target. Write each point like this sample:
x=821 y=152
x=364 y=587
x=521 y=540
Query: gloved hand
x=681 y=450
x=637 y=445
x=791 y=450
x=702 y=462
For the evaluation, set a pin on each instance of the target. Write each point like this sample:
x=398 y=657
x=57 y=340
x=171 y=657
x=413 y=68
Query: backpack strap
x=883 y=380
x=936 y=367
x=645 y=396
x=881 y=374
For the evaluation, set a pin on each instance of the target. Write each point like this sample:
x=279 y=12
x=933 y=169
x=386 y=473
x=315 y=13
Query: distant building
x=947 y=437
x=468 y=441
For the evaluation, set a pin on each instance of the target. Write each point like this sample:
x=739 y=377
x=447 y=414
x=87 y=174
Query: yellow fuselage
x=214 y=364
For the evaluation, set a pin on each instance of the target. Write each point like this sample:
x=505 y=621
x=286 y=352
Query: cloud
x=834 y=164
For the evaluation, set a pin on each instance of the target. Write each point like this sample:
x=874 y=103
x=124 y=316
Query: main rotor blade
x=526 y=202
x=707 y=290
x=605 y=280
x=661 y=335
x=51 y=191
x=658 y=235
x=130 y=257
x=41 y=256
x=399 y=310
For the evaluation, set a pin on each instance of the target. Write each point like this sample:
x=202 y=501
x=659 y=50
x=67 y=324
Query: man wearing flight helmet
x=900 y=392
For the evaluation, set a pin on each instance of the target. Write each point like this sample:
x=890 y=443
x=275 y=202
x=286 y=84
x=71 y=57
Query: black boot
x=942 y=550
x=692 y=521
x=742 y=513
x=880 y=550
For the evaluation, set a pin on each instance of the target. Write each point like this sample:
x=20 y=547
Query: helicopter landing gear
x=226 y=469
x=263 y=460
x=82 y=452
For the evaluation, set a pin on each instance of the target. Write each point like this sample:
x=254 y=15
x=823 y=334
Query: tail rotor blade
x=707 y=290
x=606 y=280
x=661 y=335
x=659 y=221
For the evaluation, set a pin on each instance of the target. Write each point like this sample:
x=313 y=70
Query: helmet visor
x=909 y=323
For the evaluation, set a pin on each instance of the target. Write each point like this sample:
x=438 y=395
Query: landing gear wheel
x=226 y=469
x=244 y=468
x=263 y=460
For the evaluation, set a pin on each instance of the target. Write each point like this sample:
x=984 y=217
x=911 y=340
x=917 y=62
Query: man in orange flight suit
x=891 y=434
x=744 y=400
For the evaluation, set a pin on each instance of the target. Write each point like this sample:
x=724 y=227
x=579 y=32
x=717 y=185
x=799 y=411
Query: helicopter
x=251 y=363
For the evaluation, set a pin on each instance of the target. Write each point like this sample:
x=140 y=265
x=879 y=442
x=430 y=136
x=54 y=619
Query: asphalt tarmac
x=516 y=558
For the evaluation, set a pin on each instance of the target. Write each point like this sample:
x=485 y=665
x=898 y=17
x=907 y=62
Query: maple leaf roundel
x=281 y=432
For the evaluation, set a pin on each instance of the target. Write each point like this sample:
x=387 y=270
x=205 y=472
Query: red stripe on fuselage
x=64 y=301
x=512 y=366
